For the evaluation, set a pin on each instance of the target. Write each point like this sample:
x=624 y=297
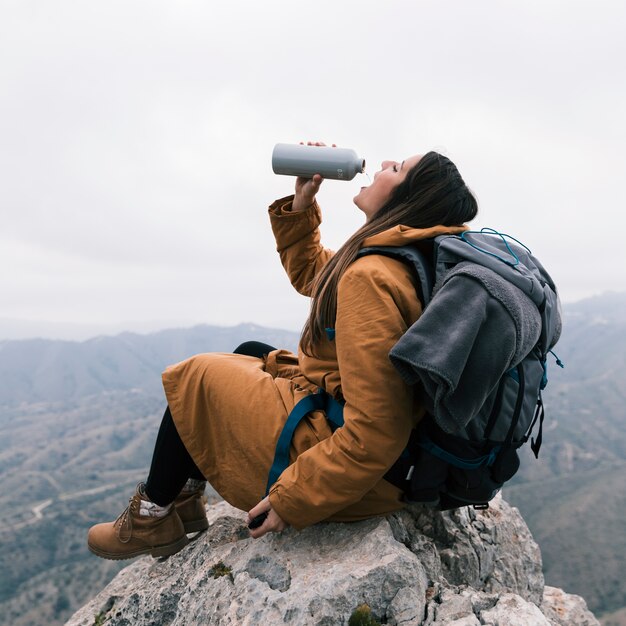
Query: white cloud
x=136 y=140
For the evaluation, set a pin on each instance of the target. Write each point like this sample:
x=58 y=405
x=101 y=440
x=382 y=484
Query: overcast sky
x=135 y=142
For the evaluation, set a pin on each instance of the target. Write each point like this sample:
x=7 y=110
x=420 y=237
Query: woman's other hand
x=307 y=188
x=273 y=522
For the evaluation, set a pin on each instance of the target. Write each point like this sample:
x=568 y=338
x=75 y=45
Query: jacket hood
x=404 y=235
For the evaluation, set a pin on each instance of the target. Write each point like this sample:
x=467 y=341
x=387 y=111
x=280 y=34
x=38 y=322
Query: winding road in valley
x=37 y=510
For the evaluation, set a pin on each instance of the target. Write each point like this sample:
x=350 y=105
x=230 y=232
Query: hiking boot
x=143 y=528
x=190 y=508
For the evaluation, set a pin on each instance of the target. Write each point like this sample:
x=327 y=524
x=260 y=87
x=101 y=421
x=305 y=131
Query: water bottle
x=305 y=161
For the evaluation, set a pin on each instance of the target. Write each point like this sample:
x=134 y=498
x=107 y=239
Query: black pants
x=171 y=463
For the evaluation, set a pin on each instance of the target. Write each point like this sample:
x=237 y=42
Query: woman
x=226 y=411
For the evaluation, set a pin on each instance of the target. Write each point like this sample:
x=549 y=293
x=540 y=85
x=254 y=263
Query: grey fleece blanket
x=478 y=327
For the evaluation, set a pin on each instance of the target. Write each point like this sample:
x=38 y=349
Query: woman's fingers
x=317 y=143
x=316 y=181
x=311 y=185
x=271 y=524
x=261 y=507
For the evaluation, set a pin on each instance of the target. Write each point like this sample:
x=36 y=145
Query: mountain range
x=78 y=420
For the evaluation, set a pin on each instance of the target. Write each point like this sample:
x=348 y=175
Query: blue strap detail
x=330 y=333
x=435 y=450
x=544 y=364
x=502 y=236
x=320 y=401
x=333 y=410
x=558 y=361
x=513 y=374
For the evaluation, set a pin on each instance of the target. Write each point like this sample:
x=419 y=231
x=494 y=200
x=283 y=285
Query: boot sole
x=195 y=526
x=154 y=551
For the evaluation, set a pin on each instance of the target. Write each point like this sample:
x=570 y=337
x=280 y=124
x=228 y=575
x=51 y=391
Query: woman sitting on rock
x=226 y=412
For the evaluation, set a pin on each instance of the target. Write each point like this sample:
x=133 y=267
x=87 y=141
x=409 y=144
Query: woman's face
x=391 y=174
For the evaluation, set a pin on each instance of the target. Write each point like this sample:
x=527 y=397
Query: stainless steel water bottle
x=305 y=161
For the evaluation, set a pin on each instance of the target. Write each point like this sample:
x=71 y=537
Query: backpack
x=482 y=406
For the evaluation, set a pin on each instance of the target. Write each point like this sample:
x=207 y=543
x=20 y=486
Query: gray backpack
x=478 y=358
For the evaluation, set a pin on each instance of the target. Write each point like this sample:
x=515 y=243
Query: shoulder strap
x=320 y=401
x=416 y=260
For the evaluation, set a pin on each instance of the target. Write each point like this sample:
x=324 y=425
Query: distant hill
x=43 y=370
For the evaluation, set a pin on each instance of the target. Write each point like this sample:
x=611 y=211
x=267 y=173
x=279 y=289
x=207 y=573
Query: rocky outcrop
x=417 y=567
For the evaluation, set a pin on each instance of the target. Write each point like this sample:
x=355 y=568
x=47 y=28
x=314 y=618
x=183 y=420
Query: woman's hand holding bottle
x=307 y=188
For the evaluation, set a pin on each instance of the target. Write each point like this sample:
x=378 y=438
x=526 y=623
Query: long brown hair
x=432 y=193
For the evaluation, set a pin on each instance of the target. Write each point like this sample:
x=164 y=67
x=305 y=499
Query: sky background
x=136 y=136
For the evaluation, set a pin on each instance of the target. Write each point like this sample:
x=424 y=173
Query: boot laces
x=125 y=521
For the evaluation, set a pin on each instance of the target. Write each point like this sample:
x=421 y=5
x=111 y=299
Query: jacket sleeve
x=372 y=314
x=298 y=242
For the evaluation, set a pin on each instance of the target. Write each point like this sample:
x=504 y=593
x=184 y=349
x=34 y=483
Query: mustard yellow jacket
x=230 y=409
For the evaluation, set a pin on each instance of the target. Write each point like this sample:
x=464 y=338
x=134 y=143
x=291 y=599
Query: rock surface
x=414 y=568
x=564 y=608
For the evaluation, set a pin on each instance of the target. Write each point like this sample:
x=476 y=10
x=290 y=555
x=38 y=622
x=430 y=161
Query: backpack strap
x=463 y=463
x=423 y=269
x=535 y=444
x=320 y=401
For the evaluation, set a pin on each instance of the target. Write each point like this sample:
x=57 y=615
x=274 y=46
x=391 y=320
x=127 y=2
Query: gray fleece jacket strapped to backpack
x=478 y=357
